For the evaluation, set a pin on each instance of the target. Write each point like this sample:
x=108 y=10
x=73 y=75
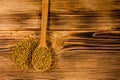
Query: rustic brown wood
x=86 y=37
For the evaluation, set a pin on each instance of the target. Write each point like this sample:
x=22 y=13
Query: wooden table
x=89 y=36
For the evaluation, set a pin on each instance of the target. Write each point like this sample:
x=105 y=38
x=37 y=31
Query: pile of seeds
x=21 y=54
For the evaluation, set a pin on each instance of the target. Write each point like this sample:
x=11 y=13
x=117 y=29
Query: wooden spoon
x=41 y=58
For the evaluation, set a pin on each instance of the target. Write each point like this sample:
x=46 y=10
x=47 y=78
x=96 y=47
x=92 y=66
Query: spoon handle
x=45 y=8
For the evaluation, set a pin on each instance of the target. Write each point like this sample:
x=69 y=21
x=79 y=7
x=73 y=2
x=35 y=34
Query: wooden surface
x=86 y=36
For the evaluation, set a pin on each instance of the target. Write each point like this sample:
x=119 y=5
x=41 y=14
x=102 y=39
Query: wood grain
x=86 y=37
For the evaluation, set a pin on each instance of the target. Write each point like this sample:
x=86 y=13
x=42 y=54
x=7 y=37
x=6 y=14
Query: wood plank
x=86 y=37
